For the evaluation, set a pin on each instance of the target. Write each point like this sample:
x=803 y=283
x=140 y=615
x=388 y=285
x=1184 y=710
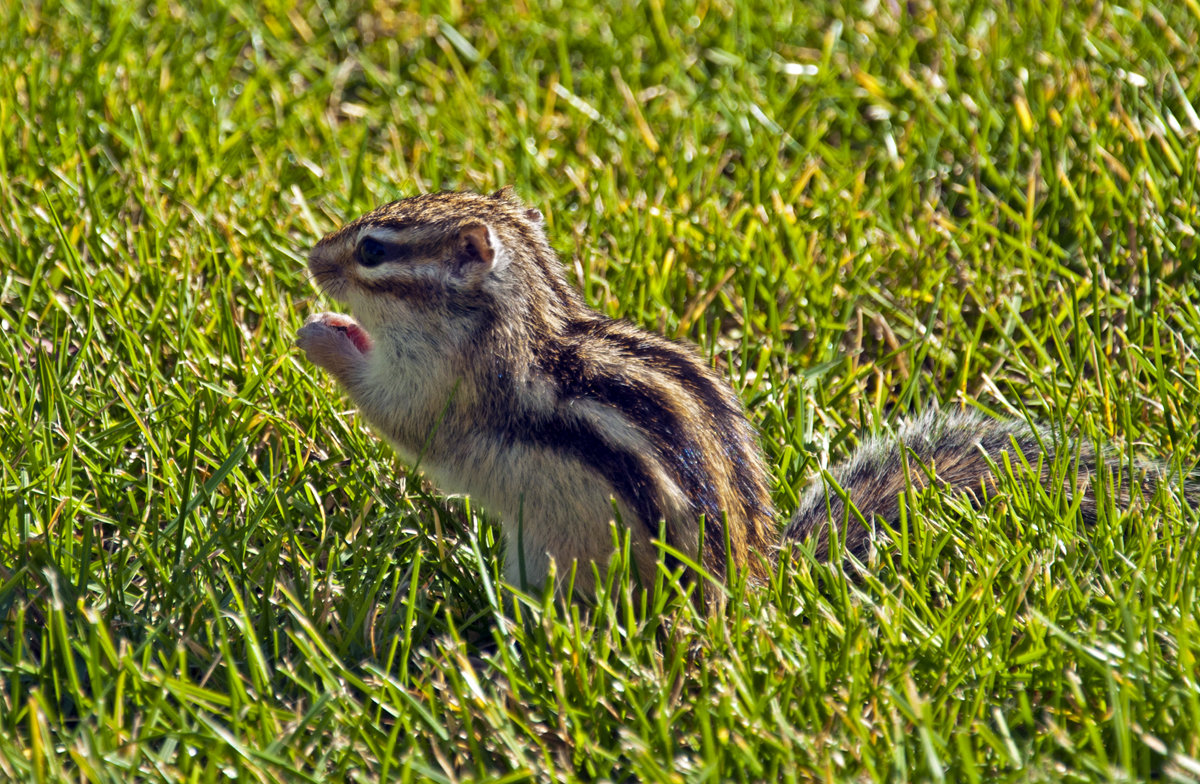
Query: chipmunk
x=470 y=353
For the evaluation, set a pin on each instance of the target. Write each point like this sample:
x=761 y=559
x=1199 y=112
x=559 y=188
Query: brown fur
x=546 y=401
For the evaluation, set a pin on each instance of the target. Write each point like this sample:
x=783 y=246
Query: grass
x=210 y=570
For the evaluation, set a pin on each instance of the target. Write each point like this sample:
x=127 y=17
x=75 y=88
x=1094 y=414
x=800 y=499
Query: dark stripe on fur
x=718 y=401
x=626 y=472
x=643 y=406
x=414 y=289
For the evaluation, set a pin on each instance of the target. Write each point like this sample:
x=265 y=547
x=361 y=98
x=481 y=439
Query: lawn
x=211 y=570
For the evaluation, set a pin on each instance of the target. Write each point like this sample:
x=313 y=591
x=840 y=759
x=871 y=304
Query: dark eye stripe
x=372 y=252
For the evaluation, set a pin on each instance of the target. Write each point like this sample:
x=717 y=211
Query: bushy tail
x=956 y=447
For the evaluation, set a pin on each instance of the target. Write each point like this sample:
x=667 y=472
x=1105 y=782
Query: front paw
x=333 y=341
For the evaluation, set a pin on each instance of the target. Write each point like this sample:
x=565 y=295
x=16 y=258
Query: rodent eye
x=372 y=252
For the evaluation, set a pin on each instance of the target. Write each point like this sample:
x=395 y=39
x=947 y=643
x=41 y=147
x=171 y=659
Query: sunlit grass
x=210 y=569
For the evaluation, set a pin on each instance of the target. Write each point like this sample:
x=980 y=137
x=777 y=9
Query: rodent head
x=457 y=253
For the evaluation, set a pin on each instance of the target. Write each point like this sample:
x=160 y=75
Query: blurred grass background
x=209 y=569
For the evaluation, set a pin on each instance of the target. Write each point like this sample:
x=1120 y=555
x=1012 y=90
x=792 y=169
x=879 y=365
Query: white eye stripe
x=375 y=274
x=409 y=235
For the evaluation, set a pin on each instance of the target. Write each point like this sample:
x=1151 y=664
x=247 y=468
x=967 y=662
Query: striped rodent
x=469 y=350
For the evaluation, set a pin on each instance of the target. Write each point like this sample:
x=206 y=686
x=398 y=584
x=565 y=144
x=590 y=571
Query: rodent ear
x=509 y=194
x=477 y=244
x=475 y=254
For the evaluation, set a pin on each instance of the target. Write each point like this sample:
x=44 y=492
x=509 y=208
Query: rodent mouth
x=344 y=323
x=358 y=336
